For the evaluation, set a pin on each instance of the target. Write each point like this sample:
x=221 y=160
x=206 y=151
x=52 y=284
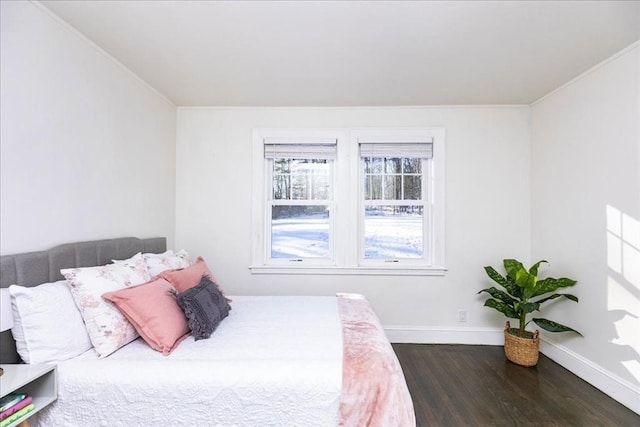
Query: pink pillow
x=154 y=312
x=188 y=277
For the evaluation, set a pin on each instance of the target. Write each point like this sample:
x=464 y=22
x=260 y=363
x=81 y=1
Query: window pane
x=373 y=187
x=300 y=231
x=301 y=179
x=412 y=165
x=400 y=179
x=281 y=187
x=393 y=187
x=393 y=232
x=412 y=187
x=373 y=164
x=282 y=166
x=392 y=165
x=320 y=185
x=299 y=187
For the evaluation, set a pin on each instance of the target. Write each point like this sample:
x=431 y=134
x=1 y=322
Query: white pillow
x=157 y=263
x=107 y=327
x=47 y=325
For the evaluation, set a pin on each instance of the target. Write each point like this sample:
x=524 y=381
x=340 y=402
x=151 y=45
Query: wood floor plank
x=471 y=385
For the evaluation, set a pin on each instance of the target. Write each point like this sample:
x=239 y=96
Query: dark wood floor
x=473 y=385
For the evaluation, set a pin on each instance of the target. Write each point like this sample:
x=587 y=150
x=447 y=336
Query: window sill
x=349 y=271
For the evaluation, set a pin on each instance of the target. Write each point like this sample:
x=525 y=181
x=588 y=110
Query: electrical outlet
x=462 y=316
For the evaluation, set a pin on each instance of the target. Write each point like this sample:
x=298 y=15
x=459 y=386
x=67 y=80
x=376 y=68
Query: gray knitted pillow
x=204 y=307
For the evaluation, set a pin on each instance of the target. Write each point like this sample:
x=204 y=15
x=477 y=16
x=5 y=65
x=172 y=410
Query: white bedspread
x=275 y=361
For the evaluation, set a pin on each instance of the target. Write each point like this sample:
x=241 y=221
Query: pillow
x=107 y=327
x=205 y=307
x=47 y=325
x=185 y=278
x=157 y=263
x=134 y=264
x=153 y=311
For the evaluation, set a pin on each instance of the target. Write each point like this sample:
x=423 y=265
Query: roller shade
x=309 y=148
x=419 y=149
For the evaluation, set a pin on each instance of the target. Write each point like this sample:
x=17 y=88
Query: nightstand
x=38 y=381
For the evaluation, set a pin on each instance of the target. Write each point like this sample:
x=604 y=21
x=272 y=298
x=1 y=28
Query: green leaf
x=513 y=289
x=571 y=297
x=552 y=326
x=554 y=296
x=512 y=266
x=550 y=284
x=498 y=294
x=506 y=282
x=524 y=279
x=501 y=307
x=534 y=268
x=529 y=307
x=495 y=276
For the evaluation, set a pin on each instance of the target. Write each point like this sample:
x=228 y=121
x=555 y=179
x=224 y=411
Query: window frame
x=347 y=213
x=261 y=261
x=432 y=197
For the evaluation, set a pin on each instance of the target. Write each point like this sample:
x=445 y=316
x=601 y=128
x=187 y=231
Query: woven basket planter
x=521 y=351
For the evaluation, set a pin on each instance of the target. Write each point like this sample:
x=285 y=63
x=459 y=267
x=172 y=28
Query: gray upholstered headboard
x=34 y=268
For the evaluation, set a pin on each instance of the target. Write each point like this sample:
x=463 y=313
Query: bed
x=272 y=361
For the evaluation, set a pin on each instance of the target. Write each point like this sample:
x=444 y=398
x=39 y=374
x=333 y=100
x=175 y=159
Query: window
x=300 y=202
x=393 y=201
x=348 y=201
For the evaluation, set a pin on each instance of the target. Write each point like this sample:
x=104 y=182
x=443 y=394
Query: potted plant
x=525 y=293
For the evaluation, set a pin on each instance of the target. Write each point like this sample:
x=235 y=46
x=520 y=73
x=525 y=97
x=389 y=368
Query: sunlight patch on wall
x=623 y=284
x=631 y=250
x=633 y=366
x=625 y=305
x=623 y=245
x=614 y=240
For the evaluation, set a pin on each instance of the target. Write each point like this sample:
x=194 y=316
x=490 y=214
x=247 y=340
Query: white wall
x=487 y=213
x=87 y=149
x=586 y=216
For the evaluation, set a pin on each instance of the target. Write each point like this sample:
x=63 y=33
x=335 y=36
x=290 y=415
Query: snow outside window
x=348 y=201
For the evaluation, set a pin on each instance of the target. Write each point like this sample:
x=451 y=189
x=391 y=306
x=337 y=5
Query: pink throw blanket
x=374 y=390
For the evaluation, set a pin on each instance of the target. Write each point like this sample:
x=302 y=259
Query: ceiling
x=355 y=53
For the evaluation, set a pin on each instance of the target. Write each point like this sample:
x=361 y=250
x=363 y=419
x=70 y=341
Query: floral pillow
x=108 y=328
x=157 y=263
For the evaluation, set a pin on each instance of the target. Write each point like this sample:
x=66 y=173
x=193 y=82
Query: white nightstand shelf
x=38 y=381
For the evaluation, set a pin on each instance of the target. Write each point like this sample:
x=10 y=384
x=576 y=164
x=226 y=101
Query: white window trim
x=260 y=244
x=346 y=216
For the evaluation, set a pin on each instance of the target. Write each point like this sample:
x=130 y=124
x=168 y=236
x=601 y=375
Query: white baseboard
x=610 y=384
x=605 y=381
x=444 y=335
